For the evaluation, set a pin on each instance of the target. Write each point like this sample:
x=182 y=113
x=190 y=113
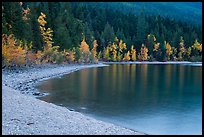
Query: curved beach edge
x=23 y=114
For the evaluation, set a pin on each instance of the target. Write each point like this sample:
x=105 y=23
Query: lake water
x=154 y=99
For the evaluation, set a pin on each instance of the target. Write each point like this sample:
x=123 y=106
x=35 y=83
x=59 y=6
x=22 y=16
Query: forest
x=66 y=32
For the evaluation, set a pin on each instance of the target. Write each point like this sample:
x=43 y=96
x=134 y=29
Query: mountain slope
x=184 y=11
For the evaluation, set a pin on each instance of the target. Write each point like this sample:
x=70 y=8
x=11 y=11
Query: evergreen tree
x=108 y=34
x=141 y=28
x=13 y=14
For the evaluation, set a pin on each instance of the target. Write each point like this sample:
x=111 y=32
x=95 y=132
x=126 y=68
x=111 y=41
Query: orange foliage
x=169 y=50
x=12 y=52
x=127 y=56
x=114 y=52
x=94 y=52
x=120 y=45
x=84 y=47
x=143 y=53
x=133 y=53
x=197 y=46
x=85 y=52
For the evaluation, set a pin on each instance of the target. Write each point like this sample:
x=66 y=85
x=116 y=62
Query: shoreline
x=21 y=83
x=157 y=62
x=22 y=113
x=25 y=79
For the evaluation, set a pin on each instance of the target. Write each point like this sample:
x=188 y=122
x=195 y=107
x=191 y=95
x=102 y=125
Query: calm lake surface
x=154 y=99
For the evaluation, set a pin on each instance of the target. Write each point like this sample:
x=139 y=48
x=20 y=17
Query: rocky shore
x=23 y=114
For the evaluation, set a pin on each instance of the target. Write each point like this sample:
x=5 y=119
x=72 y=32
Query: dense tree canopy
x=153 y=37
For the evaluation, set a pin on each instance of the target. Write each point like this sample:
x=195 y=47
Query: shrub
x=12 y=52
x=59 y=58
x=196 y=58
x=71 y=56
x=77 y=54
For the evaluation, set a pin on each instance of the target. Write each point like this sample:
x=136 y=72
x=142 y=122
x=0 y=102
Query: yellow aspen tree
x=84 y=47
x=168 y=50
x=114 y=52
x=133 y=53
x=144 y=53
x=94 y=52
x=121 y=46
x=106 y=53
x=196 y=50
x=49 y=49
x=127 y=56
x=85 y=52
x=197 y=46
x=46 y=33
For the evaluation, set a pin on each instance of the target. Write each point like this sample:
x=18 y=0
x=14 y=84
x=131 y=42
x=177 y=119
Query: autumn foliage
x=12 y=51
x=143 y=55
x=168 y=50
x=133 y=53
x=127 y=56
x=18 y=53
x=85 y=52
x=94 y=52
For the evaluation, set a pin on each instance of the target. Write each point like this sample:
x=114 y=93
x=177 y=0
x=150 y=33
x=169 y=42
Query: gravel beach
x=23 y=114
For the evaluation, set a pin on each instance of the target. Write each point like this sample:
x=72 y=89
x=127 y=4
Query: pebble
x=36 y=93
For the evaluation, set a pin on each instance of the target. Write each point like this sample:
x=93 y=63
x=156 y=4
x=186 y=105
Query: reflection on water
x=155 y=99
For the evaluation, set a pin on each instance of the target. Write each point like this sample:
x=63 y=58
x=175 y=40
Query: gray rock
x=36 y=93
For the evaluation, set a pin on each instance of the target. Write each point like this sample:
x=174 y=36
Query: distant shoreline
x=156 y=62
